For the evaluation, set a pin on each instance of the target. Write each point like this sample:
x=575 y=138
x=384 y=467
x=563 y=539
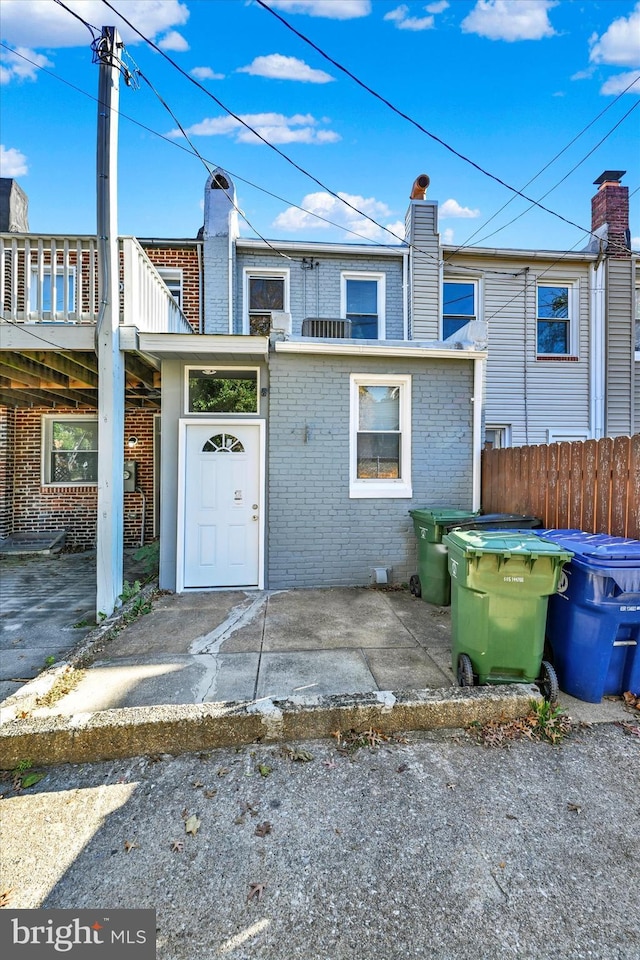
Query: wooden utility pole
x=109 y=534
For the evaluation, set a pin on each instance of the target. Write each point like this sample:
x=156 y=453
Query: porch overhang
x=197 y=347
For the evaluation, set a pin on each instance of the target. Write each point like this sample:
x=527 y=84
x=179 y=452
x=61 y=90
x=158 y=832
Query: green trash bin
x=500 y=585
x=432 y=581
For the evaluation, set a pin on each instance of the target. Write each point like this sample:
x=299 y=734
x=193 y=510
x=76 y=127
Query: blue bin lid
x=597 y=548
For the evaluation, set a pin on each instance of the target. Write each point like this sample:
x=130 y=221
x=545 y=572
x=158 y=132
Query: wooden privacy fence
x=591 y=485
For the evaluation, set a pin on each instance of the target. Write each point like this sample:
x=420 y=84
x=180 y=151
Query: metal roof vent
x=326 y=328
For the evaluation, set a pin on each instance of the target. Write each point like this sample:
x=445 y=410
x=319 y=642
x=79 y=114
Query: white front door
x=222 y=504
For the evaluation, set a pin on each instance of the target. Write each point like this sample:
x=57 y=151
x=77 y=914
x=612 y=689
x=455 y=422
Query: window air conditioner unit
x=326 y=328
x=281 y=322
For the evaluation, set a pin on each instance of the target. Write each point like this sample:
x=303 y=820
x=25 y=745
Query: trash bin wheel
x=548 y=682
x=465 y=671
x=414 y=585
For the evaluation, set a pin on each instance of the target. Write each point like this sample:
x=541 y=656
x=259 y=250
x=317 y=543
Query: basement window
x=69 y=450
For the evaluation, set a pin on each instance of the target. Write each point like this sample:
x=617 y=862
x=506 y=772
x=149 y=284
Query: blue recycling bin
x=593 y=622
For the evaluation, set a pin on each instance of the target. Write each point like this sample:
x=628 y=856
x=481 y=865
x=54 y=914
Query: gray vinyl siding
x=531 y=396
x=317 y=535
x=620 y=348
x=316 y=293
x=422 y=230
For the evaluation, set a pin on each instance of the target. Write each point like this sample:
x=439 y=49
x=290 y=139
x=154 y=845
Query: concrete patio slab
x=314 y=673
x=406 y=669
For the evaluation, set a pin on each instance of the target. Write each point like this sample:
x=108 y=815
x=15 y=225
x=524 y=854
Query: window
x=496 y=438
x=380 y=436
x=264 y=291
x=40 y=292
x=172 y=277
x=224 y=390
x=362 y=302
x=459 y=305
x=555 y=309
x=69 y=450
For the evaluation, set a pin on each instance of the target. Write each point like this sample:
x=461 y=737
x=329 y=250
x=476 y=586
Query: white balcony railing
x=54 y=279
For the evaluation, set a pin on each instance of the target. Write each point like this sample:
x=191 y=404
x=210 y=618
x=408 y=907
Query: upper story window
x=556 y=309
x=172 y=277
x=459 y=305
x=265 y=290
x=222 y=390
x=63 y=300
x=69 y=450
x=362 y=301
x=380 y=436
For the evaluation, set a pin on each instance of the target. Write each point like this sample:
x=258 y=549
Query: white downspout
x=597 y=355
x=478 y=375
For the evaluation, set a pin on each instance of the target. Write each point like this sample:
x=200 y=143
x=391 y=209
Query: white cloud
x=437 y=7
x=510 y=20
x=41 y=23
x=332 y=9
x=451 y=208
x=620 y=44
x=635 y=243
x=278 y=67
x=447 y=235
x=294 y=220
x=14 y=67
x=274 y=127
x=400 y=16
x=619 y=83
x=206 y=73
x=584 y=74
x=174 y=41
x=12 y=162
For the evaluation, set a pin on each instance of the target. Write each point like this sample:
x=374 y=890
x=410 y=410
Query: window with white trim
x=69 y=450
x=556 y=317
x=264 y=291
x=172 y=278
x=362 y=301
x=64 y=296
x=459 y=305
x=497 y=437
x=380 y=436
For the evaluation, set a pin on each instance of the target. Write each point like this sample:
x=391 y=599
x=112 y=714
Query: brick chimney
x=610 y=210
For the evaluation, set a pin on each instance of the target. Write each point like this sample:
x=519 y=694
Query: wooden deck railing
x=592 y=486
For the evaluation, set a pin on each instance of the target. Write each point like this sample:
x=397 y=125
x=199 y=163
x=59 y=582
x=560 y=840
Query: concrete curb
x=176 y=729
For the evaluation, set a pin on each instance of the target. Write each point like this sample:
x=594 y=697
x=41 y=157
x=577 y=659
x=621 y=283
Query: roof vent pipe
x=419 y=188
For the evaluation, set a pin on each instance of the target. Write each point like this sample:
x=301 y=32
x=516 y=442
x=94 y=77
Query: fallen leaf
x=574 y=807
x=130 y=845
x=510 y=816
x=263 y=829
x=223 y=771
x=31 y=778
x=264 y=769
x=403 y=767
x=209 y=793
x=239 y=820
x=197 y=784
x=301 y=756
x=192 y=825
x=256 y=890
x=502 y=865
x=330 y=764
x=177 y=846
x=5 y=897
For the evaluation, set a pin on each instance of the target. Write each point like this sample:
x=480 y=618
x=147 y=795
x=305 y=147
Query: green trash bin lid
x=475 y=543
x=441 y=515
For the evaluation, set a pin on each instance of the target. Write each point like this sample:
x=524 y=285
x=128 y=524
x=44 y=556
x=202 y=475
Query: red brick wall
x=186 y=259
x=37 y=507
x=6 y=471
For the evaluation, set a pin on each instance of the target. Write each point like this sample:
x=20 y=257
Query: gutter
x=409 y=348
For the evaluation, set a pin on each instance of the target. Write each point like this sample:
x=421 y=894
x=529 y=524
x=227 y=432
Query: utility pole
x=109 y=533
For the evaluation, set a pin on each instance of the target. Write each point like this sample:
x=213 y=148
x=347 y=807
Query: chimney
x=14 y=207
x=219 y=236
x=610 y=213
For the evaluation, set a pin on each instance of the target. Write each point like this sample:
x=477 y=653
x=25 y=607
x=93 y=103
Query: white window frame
x=636 y=319
x=573 y=309
x=359 y=488
x=505 y=431
x=381 y=279
x=48 y=420
x=220 y=368
x=173 y=277
x=38 y=275
x=477 y=294
x=268 y=273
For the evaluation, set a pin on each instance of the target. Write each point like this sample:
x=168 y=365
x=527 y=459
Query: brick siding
x=186 y=259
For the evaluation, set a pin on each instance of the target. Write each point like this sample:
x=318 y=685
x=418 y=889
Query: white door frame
x=217 y=423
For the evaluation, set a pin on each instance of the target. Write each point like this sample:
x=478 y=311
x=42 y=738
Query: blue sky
x=507 y=84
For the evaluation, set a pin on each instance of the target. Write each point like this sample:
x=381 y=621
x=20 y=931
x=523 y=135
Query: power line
x=415 y=123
